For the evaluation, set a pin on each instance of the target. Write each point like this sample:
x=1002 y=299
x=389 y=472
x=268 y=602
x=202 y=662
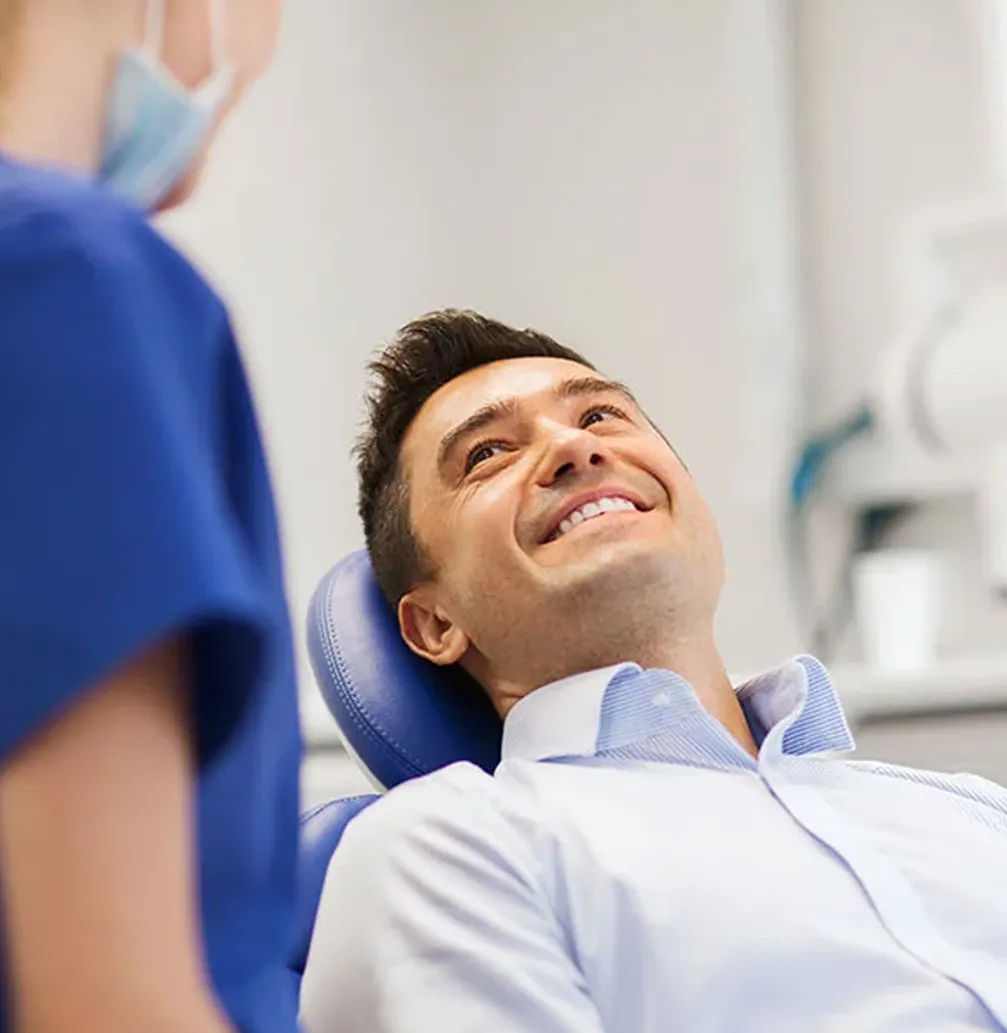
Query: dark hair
x=425 y=355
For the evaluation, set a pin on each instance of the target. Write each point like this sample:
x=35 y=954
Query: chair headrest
x=321 y=830
x=400 y=715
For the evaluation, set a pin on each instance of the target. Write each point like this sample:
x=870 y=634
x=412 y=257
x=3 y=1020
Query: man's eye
x=602 y=412
x=480 y=453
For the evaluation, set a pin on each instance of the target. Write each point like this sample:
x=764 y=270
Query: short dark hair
x=424 y=356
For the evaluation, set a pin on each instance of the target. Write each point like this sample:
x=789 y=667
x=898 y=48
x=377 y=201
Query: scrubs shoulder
x=135 y=505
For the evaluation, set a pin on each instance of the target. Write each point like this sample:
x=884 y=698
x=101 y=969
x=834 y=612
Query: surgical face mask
x=156 y=128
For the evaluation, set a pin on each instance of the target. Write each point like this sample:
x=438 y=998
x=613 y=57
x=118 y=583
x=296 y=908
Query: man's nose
x=568 y=451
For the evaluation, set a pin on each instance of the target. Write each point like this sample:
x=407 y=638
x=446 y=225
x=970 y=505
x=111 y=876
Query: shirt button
x=660 y=698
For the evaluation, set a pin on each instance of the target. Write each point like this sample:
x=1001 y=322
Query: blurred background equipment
x=939 y=393
x=935 y=421
x=782 y=220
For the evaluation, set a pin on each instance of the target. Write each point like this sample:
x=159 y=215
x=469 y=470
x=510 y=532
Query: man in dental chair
x=658 y=850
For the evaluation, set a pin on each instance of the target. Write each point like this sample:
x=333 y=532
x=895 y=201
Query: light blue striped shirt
x=629 y=868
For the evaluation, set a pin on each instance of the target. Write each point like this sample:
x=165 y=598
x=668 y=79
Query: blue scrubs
x=135 y=505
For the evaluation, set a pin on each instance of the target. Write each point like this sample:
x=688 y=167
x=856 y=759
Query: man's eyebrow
x=481 y=418
x=577 y=387
x=574 y=387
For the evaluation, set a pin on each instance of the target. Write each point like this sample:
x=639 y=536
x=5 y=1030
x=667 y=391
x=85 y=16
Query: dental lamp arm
x=945 y=385
x=943 y=392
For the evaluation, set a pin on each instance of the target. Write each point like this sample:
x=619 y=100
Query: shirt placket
x=893 y=897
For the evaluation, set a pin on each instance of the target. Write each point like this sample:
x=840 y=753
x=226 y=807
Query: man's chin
x=622 y=566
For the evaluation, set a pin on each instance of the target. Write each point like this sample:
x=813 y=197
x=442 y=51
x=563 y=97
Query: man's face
x=560 y=525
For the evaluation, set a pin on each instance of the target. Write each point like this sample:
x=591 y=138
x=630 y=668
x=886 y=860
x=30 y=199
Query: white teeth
x=612 y=504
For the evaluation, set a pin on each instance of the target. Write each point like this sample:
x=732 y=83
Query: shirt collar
x=798 y=702
x=560 y=719
x=793 y=709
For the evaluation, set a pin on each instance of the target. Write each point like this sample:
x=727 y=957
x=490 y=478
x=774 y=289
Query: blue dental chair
x=399 y=716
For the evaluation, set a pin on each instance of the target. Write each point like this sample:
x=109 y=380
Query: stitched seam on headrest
x=361 y=718
x=356 y=712
x=315 y=811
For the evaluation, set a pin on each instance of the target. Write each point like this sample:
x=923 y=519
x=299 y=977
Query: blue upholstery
x=321 y=830
x=400 y=715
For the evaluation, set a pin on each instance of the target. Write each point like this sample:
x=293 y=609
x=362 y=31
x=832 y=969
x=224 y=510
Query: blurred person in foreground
x=659 y=849
x=149 y=742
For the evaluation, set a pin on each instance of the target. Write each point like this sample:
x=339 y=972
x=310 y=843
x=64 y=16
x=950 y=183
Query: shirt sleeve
x=115 y=530
x=433 y=918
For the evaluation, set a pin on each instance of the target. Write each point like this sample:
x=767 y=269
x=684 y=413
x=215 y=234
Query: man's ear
x=428 y=630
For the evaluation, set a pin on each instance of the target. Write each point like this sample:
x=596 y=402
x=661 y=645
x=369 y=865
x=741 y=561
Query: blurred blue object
x=321 y=830
x=818 y=450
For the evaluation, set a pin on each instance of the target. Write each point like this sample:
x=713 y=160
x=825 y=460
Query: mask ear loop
x=217 y=33
x=153 y=34
x=154 y=30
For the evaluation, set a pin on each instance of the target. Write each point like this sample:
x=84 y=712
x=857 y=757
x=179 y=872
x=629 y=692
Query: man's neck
x=699 y=663
x=694 y=658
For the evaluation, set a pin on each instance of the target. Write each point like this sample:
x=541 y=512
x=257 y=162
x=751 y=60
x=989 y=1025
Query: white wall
x=594 y=169
x=894 y=120
x=329 y=216
x=617 y=174
x=333 y=211
x=897 y=118
x=634 y=203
